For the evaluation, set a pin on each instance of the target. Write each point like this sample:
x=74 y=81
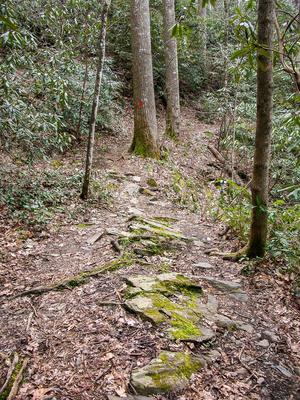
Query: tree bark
x=260 y=180
x=99 y=73
x=171 y=61
x=145 y=139
x=202 y=12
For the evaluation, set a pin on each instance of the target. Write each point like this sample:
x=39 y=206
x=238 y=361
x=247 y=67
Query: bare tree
x=145 y=139
x=171 y=61
x=260 y=179
x=99 y=73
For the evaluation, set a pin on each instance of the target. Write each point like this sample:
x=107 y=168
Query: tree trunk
x=226 y=37
x=260 y=180
x=91 y=139
x=202 y=12
x=145 y=139
x=171 y=61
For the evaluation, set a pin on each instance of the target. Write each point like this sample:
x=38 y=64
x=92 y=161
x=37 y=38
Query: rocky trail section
x=108 y=333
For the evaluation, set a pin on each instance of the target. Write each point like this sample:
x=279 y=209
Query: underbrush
x=35 y=202
x=232 y=206
x=47 y=79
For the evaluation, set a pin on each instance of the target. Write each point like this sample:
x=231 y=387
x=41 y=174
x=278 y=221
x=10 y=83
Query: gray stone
x=234 y=289
x=245 y=327
x=212 y=356
x=168 y=372
x=129 y=397
x=163 y=283
x=136 y=179
x=198 y=243
x=263 y=343
x=271 y=336
x=203 y=265
x=283 y=370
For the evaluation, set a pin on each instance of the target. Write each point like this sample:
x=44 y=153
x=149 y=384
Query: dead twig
x=10 y=372
x=17 y=381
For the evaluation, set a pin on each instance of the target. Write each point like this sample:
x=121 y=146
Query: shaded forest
x=150 y=199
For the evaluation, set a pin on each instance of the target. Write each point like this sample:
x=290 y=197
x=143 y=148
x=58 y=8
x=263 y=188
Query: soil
x=82 y=344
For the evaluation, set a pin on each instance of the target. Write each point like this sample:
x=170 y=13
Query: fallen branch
x=17 y=381
x=222 y=160
x=81 y=278
x=10 y=372
x=236 y=256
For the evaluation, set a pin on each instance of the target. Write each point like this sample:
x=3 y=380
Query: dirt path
x=81 y=347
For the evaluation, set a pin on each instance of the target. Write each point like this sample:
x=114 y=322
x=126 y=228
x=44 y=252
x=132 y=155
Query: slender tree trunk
x=202 y=12
x=145 y=139
x=260 y=180
x=84 y=85
x=226 y=37
x=171 y=61
x=91 y=139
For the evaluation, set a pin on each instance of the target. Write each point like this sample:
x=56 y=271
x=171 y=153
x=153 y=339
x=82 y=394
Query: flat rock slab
x=172 y=299
x=234 y=289
x=203 y=265
x=168 y=372
x=164 y=283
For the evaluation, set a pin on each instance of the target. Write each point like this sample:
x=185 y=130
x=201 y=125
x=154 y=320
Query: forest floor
x=80 y=341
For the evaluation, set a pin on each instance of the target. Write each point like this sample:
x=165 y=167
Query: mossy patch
x=152 y=183
x=84 y=225
x=168 y=372
x=163 y=299
x=83 y=277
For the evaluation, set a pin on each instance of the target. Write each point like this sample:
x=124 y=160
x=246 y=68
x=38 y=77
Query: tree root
x=81 y=278
x=236 y=256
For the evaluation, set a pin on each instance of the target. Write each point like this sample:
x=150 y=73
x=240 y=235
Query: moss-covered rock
x=170 y=371
x=168 y=298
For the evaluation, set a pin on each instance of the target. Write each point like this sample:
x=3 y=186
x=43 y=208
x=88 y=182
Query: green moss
x=182 y=285
x=165 y=220
x=124 y=261
x=152 y=182
x=5 y=393
x=178 y=369
x=183 y=328
x=84 y=225
x=144 y=149
x=154 y=315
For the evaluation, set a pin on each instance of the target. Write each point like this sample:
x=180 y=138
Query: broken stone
x=198 y=243
x=212 y=356
x=150 y=298
x=271 y=336
x=94 y=238
x=284 y=371
x=245 y=327
x=203 y=265
x=129 y=397
x=263 y=343
x=234 y=289
x=163 y=283
x=136 y=178
x=168 y=372
x=131 y=188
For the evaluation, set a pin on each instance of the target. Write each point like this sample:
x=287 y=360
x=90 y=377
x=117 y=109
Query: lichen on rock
x=170 y=371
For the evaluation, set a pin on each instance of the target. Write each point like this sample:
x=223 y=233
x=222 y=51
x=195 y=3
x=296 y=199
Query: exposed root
x=81 y=278
x=230 y=256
